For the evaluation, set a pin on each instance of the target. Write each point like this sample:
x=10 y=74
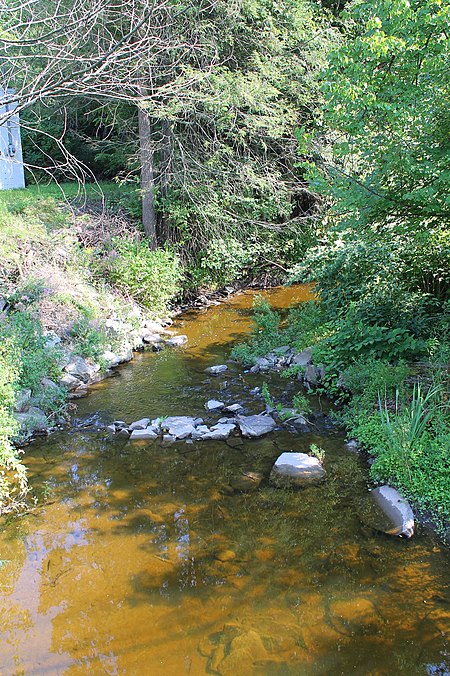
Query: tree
x=220 y=87
x=387 y=92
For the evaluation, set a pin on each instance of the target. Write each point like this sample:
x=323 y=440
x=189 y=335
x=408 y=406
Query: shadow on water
x=143 y=559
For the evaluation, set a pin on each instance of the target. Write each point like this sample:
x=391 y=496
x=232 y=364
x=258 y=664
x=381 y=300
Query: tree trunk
x=164 y=174
x=147 y=180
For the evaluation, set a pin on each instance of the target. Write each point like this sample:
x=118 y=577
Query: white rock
x=82 y=368
x=233 y=408
x=214 y=405
x=255 y=425
x=298 y=468
x=141 y=424
x=220 y=432
x=181 y=430
x=200 y=432
x=176 y=341
x=111 y=358
x=215 y=370
x=143 y=434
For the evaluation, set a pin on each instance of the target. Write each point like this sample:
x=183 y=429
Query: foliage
x=317 y=452
x=264 y=336
x=150 y=277
x=12 y=472
x=301 y=404
x=386 y=90
x=89 y=338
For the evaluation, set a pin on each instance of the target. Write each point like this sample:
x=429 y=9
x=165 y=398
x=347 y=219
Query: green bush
x=152 y=278
x=12 y=472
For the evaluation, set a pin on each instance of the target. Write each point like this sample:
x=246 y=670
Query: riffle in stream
x=140 y=559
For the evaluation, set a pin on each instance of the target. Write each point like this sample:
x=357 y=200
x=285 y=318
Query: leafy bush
x=12 y=472
x=152 y=278
x=264 y=336
x=89 y=338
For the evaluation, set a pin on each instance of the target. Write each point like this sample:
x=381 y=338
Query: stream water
x=140 y=559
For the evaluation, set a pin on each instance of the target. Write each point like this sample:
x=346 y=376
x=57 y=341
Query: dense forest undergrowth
x=302 y=142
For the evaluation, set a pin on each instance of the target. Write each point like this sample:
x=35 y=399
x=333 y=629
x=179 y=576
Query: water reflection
x=143 y=559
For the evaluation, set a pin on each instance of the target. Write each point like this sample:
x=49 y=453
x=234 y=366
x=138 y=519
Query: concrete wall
x=11 y=162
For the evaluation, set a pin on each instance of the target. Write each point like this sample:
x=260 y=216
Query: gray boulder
x=314 y=374
x=297 y=468
x=70 y=382
x=255 y=425
x=83 y=369
x=199 y=432
x=304 y=358
x=110 y=358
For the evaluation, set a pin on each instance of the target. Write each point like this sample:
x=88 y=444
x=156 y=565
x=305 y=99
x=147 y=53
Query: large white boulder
x=298 y=468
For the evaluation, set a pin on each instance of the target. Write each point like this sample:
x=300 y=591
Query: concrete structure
x=11 y=162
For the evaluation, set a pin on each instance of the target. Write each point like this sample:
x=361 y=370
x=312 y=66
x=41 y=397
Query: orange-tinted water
x=141 y=560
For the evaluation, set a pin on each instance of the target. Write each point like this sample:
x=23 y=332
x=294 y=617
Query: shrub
x=152 y=278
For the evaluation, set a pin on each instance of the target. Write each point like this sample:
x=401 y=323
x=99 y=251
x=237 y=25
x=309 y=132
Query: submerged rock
x=177 y=341
x=247 y=481
x=387 y=511
x=216 y=370
x=255 y=425
x=298 y=468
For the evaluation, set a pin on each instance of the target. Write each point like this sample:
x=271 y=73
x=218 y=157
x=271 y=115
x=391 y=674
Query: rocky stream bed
x=184 y=527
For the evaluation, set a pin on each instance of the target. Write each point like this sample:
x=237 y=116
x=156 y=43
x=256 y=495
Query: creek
x=140 y=559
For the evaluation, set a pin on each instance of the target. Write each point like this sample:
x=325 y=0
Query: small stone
x=214 y=405
x=353 y=446
x=177 y=341
x=148 y=337
x=219 y=432
x=233 y=408
x=199 y=432
x=124 y=433
x=111 y=429
x=141 y=424
x=216 y=370
x=147 y=434
x=255 y=425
